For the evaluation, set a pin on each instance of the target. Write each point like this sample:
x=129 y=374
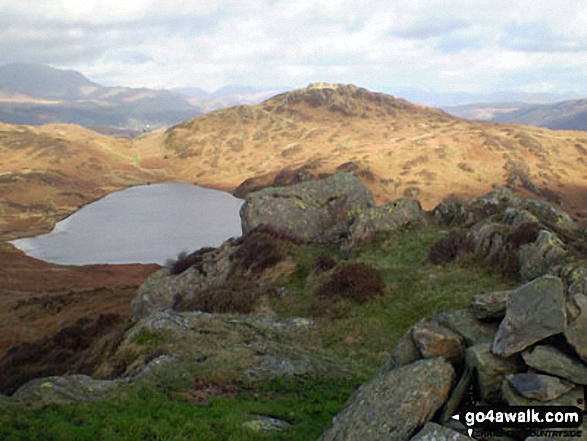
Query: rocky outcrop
x=231 y=346
x=160 y=291
x=390 y=217
x=327 y=210
x=394 y=405
x=316 y=211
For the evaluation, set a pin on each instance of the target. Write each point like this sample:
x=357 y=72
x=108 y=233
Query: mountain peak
x=347 y=99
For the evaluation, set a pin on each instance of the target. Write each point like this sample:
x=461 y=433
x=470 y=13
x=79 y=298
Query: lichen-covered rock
x=389 y=217
x=161 y=289
x=534 y=311
x=490 y=370
x=435 y=432
x=490 y=306
x=394 y=405
x=436 y=341
x=549 y=215
x=552 y=361
x=464 y=323
x=316 y=211
x=538 y=387
x=65 y=390
x=537 y=258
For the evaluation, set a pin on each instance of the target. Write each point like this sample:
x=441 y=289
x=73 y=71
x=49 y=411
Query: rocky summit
x=232 y=315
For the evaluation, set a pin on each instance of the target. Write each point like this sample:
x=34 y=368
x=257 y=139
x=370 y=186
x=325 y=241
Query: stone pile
x=521 y=347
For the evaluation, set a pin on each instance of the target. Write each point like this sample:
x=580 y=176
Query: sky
x=476 y=46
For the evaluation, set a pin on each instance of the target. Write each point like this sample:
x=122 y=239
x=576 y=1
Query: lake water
x=144 y=224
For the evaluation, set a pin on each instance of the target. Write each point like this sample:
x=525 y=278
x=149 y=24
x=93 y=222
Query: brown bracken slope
x=397 y=148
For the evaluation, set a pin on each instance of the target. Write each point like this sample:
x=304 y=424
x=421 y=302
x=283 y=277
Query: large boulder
x=317 y=211
x=394 y=405
x=534 y=311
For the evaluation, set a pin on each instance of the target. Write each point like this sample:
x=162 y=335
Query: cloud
x=447 y=45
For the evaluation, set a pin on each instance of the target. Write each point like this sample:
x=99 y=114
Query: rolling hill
x=397 y=148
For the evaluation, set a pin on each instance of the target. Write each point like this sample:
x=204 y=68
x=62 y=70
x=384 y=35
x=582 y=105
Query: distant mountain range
x=37 y=94
x=564 y=115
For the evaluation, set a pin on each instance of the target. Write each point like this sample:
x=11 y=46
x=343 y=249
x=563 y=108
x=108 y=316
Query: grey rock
x=539 y=257
x=435 y=432
x=534 y=311
x=513 y=398
x=65 y=390
x=436 y=341
x=399 y=213
x=394 y=405
x=316 y=211
x=490 y=370
x=549 y=215
x=576 y=332
x=161 y=289
x=230 y=346
x=458 y=213
x=464 y=323
x=575 y=278
x=451 y=213
x=501 y=196
x=488 y=237
x=515 y=217
x=405 y=352
x=490 y=306
x=539 y=387
x=552 y=361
